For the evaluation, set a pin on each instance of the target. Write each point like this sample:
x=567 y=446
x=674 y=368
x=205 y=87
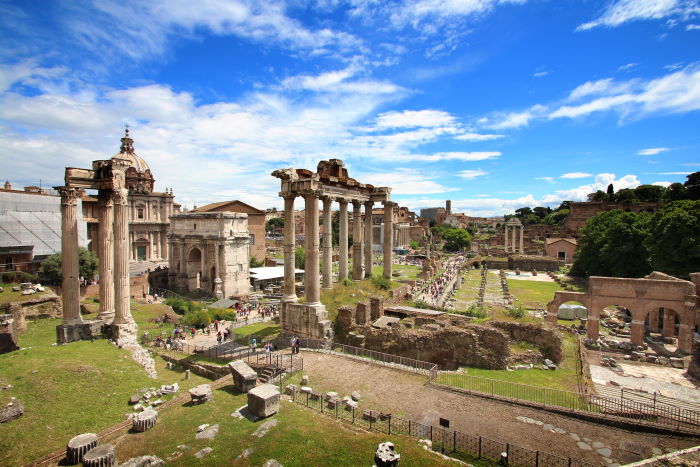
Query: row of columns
x=511 y=246
x=361 y=246
x=113 y=254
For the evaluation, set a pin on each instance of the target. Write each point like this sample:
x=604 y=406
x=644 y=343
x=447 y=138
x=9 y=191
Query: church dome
x=138 y=176
x=127 y=152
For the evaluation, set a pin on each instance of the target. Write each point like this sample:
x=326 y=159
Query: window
x=561 y=255
x=195 y=227
x=251 y=239
x=139 y=213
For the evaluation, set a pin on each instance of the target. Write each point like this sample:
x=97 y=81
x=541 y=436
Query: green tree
x=649 y=193
x=692 y=185
x=541 y=211
x=523 y=212
x=413 y=244
x=676 y=192
x=51 y=271
x=626 y=195
x=456 y=239
x=254 y=263
x=611 y=190
x=613 y=243
x=275 y=224
x=674 y=243
x=599 y=195
x=299 y=258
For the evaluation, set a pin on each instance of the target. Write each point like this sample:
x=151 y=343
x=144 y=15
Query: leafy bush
x=518 y=312
x=50 y=268
x=421 y=304
x=181 y=306
x=197 y=319
x=222 y=314
x=16 y=277
x=475 y=312
x=381 y=282
x=347 y=282
x=254 y=263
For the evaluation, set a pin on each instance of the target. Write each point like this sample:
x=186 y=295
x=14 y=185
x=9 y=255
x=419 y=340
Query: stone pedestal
x=264 y=400
x=78 y=446
x=244 y=377
x=125 y=334
x=100 y=456
x=201 y=394
x=145 y=420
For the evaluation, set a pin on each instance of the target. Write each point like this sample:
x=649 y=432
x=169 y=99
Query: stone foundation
x=309 y=321
x=86 y=330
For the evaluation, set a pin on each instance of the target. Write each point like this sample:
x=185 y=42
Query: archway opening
x=573 y=313
x=194 y=273
x=662 y=330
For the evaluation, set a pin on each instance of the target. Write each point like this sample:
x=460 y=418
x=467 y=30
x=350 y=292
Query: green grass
x=349 y=295
x=532 y=293
x=67 y=390
x=302 y=437
x=9 y=296
x=265 y=329
x=564 y=378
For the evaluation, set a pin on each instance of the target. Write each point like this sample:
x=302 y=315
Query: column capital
x=291 y=196
x=105 y=198
x=369 y=204
x=390 y=204
x=342 y=201
x=356 y=203
x=120 y=196
x=69 y=195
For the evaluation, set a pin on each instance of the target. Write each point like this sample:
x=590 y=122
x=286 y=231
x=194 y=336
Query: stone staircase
x=269 y=372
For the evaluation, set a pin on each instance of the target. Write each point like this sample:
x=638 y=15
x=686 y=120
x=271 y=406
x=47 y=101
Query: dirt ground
x=408 y=395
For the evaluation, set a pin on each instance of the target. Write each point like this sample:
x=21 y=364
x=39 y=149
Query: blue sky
x=494 y=104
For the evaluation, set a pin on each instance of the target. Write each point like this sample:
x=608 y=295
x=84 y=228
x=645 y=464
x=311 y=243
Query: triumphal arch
x=329 y=183
x=108 y=177
x=644 y=298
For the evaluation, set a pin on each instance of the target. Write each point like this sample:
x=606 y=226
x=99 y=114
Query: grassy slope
x=67 y=390
x=303 y=437
x=349 y=295
x=265 y=329
x=8 y=295
x=563 y=378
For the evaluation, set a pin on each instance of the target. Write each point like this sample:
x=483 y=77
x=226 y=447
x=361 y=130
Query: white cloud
x=540 y=74
x=455 y=156
x=576 y=175
x=414 y=119
x=623 y=11
x=664 y=184
x=581 y=192
x=651 y=151
x=406 y=181
x=693 y=27
x=471 y=174
x=546 y=179
x=627 y=67
x=502 y=121
x=667 y=173
x=477 y=137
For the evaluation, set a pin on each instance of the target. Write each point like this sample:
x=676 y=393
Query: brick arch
x=561 y=297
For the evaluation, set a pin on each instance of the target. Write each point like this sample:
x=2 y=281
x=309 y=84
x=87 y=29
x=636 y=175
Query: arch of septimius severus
x=329 y=183
x=108 y=177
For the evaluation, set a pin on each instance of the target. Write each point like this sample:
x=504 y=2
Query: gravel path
x=408 y=395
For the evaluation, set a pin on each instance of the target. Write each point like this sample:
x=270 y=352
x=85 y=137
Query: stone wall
x=547 y=340
x=529 y=263
x=694 y=367
x=205 y=370
x=43 y=306
x=450 y=347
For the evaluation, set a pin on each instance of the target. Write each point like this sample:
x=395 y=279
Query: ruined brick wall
x=450 y=347
x=44 y=306
x=547 y=340
x=694 y=367
x=528 y=263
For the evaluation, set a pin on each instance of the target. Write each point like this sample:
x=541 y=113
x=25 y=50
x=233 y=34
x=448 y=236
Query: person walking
x=218 y=338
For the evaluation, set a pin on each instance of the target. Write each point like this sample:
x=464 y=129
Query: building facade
x=209 y=253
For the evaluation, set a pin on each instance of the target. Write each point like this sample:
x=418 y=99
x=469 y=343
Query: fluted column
x=522 y=249
x=105 y=253
x=163 y=246
x=388 y=236
x=70 y=286
x=343 y=240
x=327 y=243
x=311 y=270
x=505 y=236
x=290 y=294
x=368 y=239
x=356 y=240
x=122 y=308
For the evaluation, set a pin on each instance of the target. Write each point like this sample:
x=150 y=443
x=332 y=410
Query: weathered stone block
x=264 y=400
x=201 y=394
x=78 y=446
x=100 y=456
x=244 y=377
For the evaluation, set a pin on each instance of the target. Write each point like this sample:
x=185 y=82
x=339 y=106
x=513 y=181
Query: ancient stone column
x=70 y=287
x=368 y=238
x=122 y=307
x=343 y=240
x=311 y=270
x=327 y=243
x=514 y=242
x=637 y=332
x=505 y=236
x=685 y=338
x=356 y=240
x=522 y=249
x=105 y=253
x=290 y=294
x=388 y=236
